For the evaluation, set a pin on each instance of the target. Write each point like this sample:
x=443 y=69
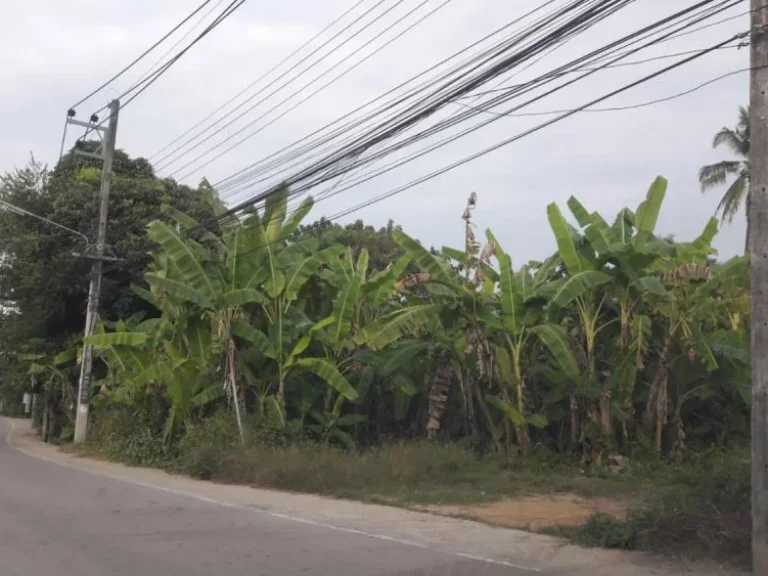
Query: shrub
x=608 y=531
x=205 y=444
x=705 y=512
x=130 y=436
x=140 y=448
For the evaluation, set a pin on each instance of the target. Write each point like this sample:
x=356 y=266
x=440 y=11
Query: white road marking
x=207 y=500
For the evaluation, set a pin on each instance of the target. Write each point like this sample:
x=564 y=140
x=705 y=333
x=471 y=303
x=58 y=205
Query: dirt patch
x=536 y=512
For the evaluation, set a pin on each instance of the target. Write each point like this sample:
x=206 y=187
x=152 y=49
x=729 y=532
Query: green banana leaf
x=179 y=290
x=389 y=328
x=116 y=339
x=648 y=212
x=293 y=220
x=423 y=258
x=256 y=337
x=184 y=257
x=565 y=243
x=240 y=297
x=555 y=338
x=510 y=411
x=330 y=374
x=579 y=212
x=577 y=285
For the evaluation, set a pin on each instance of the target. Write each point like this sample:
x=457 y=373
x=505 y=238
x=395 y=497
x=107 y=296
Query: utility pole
x=99 y=255
x=758 y=221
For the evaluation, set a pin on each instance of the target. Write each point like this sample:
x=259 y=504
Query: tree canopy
x=43 y=285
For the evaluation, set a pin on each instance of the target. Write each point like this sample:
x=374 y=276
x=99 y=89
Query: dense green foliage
x=43 y=286
x=619 y=340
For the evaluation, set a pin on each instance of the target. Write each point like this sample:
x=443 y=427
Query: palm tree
x=718 y=174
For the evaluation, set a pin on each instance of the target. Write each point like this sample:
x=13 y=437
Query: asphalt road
x=60 y=521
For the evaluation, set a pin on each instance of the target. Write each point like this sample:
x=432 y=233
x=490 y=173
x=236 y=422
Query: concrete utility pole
x=758 y=220
x=84 y=390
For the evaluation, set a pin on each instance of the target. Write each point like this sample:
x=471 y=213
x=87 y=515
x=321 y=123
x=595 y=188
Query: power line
x=275 y=80
x=152 y=78
x=275 y=159
x=433 y=147
x=260 y=78
x=724 y=20
x=463 y=81
x=615 y=108
x=314 y=93
x=579 y=69
x=270 y=162
x=518 y=136
x=176 y=44
x=617 y=65
x=22 y=212
x=315 y=170
x=501 y=144
x=291 y=96
x=143 y=55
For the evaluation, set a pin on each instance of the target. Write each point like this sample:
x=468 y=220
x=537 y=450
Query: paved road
x=59 y=521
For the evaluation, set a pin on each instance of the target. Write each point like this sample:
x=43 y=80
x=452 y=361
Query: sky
x=52 y=53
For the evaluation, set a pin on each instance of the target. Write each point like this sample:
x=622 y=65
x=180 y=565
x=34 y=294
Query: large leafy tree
x=737 y=140
x=40 y=274
x=43 y=285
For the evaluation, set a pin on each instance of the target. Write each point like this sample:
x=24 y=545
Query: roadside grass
x=698 y=508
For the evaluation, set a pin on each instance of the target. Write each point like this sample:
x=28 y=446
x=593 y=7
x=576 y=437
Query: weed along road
x=67 y=516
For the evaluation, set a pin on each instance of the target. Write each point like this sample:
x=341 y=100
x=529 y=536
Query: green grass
x=401 y=473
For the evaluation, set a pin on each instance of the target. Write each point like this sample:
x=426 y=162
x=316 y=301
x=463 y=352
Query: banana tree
x=226 y=278
x=178 y=358
x=608 y=276
x=525 y=324
x=439 y=304
x=697 y=321
x=51 y=374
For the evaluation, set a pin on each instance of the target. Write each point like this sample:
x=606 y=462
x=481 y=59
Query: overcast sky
x=52 y=53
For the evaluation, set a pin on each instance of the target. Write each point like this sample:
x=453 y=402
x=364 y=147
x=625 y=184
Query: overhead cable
x=143 y=55
x=259 y=79
x=450 y=91
x=617 y=108
x=297 y=91
x=22 y=212
x=324 y=176
x=312 y=141
x=313 y=93
x=141 y=86
x=497 y=146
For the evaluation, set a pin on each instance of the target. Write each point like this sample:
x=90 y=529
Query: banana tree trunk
x=438 y=397
x=281 y=388
x=575 y=423
x=522 y=431
x=606 y=422
x=491 y=426
x=656 y=409
x=661 y=411
x=232 y=380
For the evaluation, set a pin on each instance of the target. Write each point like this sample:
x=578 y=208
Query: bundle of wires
x=340 y=149
x=405 y=112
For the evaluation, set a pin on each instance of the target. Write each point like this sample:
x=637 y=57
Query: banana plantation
x=621 y=338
